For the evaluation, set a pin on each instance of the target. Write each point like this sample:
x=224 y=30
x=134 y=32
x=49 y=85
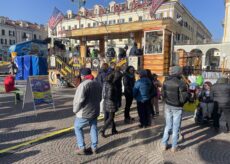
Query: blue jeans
x=173 y=121
x=79 y=124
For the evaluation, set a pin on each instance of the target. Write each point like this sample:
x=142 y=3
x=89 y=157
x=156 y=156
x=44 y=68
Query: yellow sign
x=122 y=62
x=71 y=61
x=59 y=61
x=63 y=71
x=68 y=69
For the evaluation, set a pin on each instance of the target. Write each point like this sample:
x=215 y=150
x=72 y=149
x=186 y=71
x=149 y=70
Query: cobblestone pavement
x=201 y=144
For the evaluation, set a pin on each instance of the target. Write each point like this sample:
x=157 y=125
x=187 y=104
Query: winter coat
x=87 y=99
x=175 y=91
x=128 y=81
x=110 y=97
x=221 y=95
x=143 y=90
x=134 y=51
x=118 y=81
x=101 y=76
x=203 y=97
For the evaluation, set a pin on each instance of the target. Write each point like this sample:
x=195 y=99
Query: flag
x=55 y=18
x=155 y=5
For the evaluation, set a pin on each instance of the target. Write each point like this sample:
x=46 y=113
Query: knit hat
x=85 y=71
x=175 y=70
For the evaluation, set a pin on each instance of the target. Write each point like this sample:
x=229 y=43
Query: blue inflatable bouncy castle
x=31 y=59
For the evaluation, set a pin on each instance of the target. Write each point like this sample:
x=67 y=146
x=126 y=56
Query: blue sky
x=210 y=12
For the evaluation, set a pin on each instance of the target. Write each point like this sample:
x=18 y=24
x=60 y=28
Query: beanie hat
x=175 y=70
x=85 y=71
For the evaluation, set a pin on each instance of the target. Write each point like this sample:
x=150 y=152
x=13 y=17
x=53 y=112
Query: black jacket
x=118 y=81
x=175 y=91
x=110 y=97
x=221 y=95
x=128 y=82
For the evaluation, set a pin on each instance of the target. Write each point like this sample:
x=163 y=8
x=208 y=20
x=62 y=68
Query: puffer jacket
x=175 y=92
x=110 y=97
x=143 y=90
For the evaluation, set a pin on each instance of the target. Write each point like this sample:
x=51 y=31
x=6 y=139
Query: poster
x=153 y=42
x=133 y=61
x=38 y=91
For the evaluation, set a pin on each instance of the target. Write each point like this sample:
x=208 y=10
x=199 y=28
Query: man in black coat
x=221 y=96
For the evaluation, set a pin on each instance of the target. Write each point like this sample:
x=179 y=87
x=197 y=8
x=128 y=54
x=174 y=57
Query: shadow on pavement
x=5 y=137
x=215 y=151
x=197 y=134
x=18 y=157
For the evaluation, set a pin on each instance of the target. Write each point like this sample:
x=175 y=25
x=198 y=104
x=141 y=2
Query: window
x=185 y=24
x=94 y=24
x=24 y=36
x=110 y=22
x=140 y=18
x=2 y=41
x=130 y=19
x=154 y=42
x=35 y=36
x=69 y=27
x=40 y=37
x=114 y=21
x=82 y=26
x=3 y=32
x=88 y=24
x=5 y=41
x=75 y=26
x=63 y=28
x=13 y=33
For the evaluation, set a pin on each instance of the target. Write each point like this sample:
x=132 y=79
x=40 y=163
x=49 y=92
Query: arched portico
x=207 y=49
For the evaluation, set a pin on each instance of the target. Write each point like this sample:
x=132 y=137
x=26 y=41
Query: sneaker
x=80 y=151
x=175 y=149
x=94 y=151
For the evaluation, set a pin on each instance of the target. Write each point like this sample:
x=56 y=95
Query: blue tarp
x=27 y=66
x=20 y=64
x=33 y=47
x=30 y=66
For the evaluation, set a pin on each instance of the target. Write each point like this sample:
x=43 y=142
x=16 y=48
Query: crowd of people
x=104 y=93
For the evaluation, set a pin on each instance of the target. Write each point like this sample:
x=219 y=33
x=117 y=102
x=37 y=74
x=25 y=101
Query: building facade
x=190 y=31
x=12 y=32
x=226 y=37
